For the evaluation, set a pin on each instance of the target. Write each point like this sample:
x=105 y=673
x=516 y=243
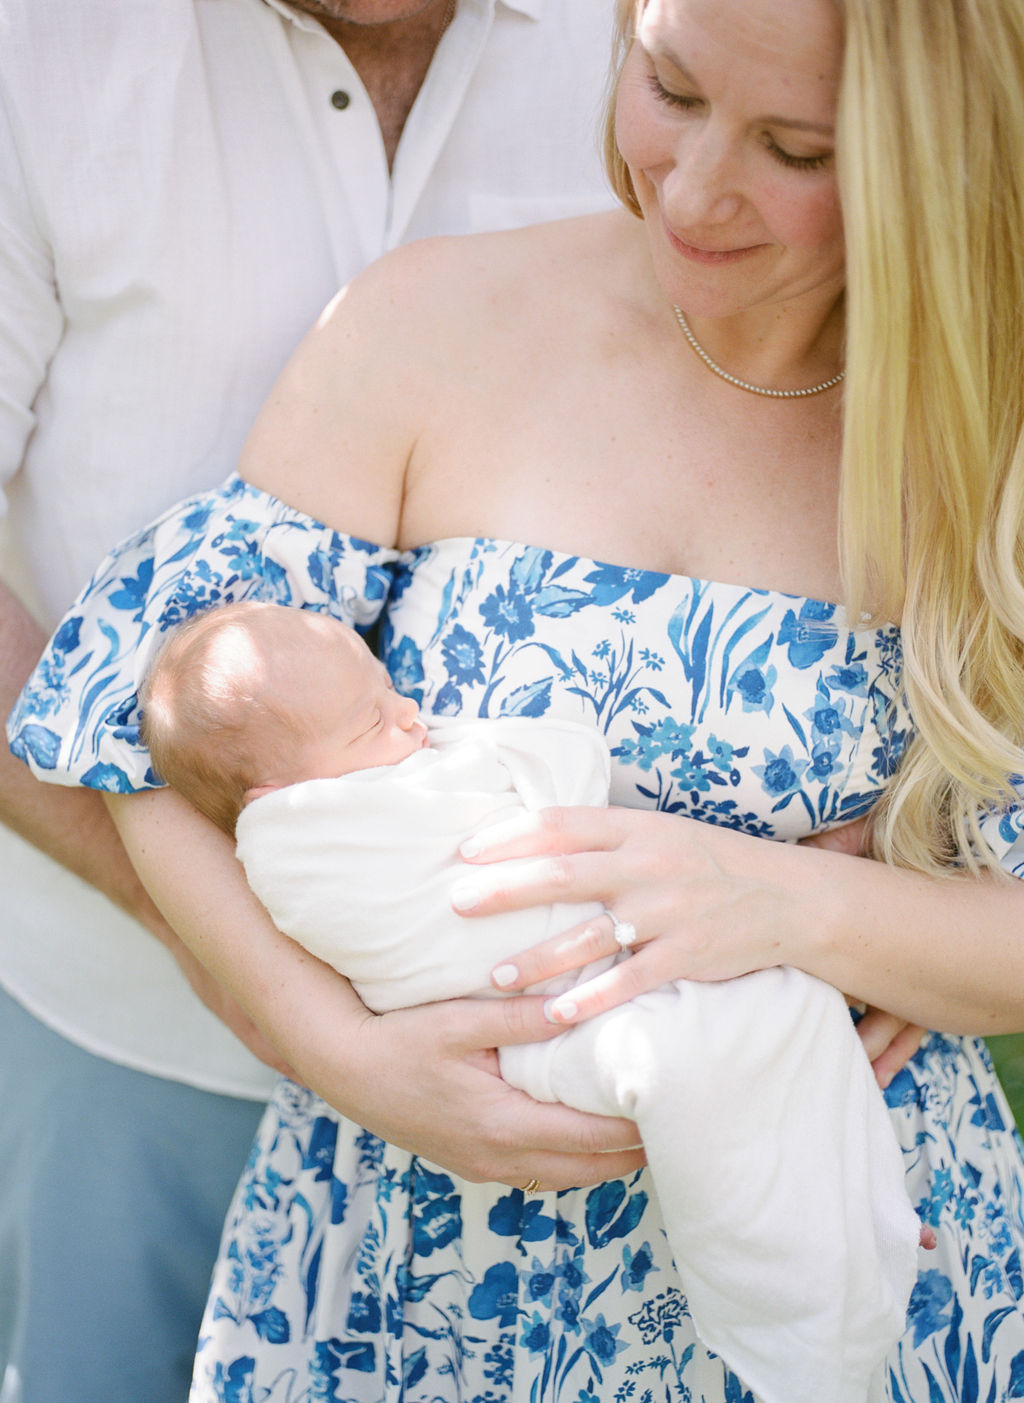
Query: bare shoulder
x=401 y=346
x=449 y=291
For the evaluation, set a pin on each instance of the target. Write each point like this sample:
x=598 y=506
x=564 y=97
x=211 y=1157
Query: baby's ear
x=258 y=791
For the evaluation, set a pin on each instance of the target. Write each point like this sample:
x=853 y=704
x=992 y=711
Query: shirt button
x=340 y=99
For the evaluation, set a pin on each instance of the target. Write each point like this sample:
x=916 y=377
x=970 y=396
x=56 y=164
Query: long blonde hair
x=930 y=149
x=930 y=162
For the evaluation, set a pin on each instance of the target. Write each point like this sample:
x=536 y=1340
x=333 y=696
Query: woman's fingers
x=562 y=954
x=552 y=830
x=848 y=838
x=900 y=1050
x=553 y=1170
x=444 y=1099
x=624 y=981
x=538 y=1153
x=889 y=1042
x=517 y=884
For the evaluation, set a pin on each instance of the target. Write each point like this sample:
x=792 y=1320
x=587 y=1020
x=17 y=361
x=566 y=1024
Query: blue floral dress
x=351 y=1270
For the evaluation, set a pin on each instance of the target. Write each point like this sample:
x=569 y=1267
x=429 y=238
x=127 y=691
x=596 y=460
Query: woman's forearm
x=947 y=953
x=219 y=920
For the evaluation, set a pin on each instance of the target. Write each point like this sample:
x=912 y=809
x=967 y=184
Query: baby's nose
x=408 y=711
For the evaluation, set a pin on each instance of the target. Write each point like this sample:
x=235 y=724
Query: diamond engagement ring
x=623 y=931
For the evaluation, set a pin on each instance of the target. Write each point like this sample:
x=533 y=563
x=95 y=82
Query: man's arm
x=73 y=827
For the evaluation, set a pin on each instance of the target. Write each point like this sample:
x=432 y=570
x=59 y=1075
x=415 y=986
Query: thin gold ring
x=531 y=1187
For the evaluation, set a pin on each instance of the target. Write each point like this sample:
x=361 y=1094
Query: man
x=183 y=185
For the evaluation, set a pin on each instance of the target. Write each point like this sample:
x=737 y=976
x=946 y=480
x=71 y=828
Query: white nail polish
x=465 y=896
x=471 y=847
x=504 y=975
x=560 y=1010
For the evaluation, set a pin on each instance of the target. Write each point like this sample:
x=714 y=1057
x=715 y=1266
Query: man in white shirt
x=183 y=185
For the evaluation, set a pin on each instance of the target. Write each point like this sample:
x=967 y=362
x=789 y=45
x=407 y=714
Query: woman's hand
x=695 y=891
x=427 y=1079
x=703 y=903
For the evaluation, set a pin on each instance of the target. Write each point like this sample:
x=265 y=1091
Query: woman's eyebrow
x=769 y=119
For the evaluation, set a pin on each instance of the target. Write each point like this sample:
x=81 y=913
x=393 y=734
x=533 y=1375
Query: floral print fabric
x=77 y=719
x=351 y=1270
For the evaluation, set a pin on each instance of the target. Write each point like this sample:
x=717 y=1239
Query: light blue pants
x=113 y=1189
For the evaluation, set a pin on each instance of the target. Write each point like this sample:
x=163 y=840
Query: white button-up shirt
x=183 y=185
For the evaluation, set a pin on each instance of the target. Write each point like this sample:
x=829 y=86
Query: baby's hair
x=212 y=732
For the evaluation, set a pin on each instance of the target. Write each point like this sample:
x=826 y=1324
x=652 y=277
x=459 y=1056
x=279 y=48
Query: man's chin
x=365 y=12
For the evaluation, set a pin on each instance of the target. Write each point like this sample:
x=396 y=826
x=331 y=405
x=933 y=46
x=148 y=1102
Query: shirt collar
x=530 y=8
x=297 y=17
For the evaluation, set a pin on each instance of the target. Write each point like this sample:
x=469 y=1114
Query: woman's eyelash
x=801 y=163
x=663 y=95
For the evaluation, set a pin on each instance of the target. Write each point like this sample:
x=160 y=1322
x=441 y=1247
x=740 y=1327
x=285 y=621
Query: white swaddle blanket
x=778 y=1175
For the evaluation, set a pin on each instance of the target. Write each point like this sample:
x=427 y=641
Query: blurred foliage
x=1008 y=1055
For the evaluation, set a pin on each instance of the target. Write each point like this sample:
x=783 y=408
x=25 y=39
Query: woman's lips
x=709 y=255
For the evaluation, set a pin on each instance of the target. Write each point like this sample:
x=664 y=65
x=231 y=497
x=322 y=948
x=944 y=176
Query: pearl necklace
x=745 y=384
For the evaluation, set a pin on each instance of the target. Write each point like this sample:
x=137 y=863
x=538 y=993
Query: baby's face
x=358 y=719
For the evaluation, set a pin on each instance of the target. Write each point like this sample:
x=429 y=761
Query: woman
x=612 y=455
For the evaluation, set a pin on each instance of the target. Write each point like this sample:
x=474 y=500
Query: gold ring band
x=531 y=1187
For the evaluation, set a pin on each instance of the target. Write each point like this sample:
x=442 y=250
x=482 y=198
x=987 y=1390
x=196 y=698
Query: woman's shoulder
x=456 y=285
x=438 y=334
x=501 y=253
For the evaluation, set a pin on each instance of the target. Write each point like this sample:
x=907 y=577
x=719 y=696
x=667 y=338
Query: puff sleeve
x=77 y=719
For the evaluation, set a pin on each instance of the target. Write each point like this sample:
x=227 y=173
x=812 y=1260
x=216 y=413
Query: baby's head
x=250 y=697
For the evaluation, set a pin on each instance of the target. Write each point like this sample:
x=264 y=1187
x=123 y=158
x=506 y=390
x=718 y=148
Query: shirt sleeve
x=31 y=318
x=77 y=719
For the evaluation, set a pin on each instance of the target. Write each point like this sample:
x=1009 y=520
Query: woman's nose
x=704 y=185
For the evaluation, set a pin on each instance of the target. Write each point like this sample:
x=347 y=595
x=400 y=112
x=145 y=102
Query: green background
x=1008 y=1055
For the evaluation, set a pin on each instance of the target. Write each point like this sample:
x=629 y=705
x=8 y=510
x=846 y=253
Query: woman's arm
x=710 y=903
x=423 y=1078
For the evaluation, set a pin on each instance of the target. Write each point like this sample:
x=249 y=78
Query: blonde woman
x=621 y=470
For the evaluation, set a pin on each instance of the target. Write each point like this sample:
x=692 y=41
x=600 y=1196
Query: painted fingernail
x=560 y=1010
x=465 y=896
x=471 y=847
x=505 y=975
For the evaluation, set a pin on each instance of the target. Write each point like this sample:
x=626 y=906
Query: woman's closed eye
x=802 y=163
x=686 y=102
x=663 y=94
